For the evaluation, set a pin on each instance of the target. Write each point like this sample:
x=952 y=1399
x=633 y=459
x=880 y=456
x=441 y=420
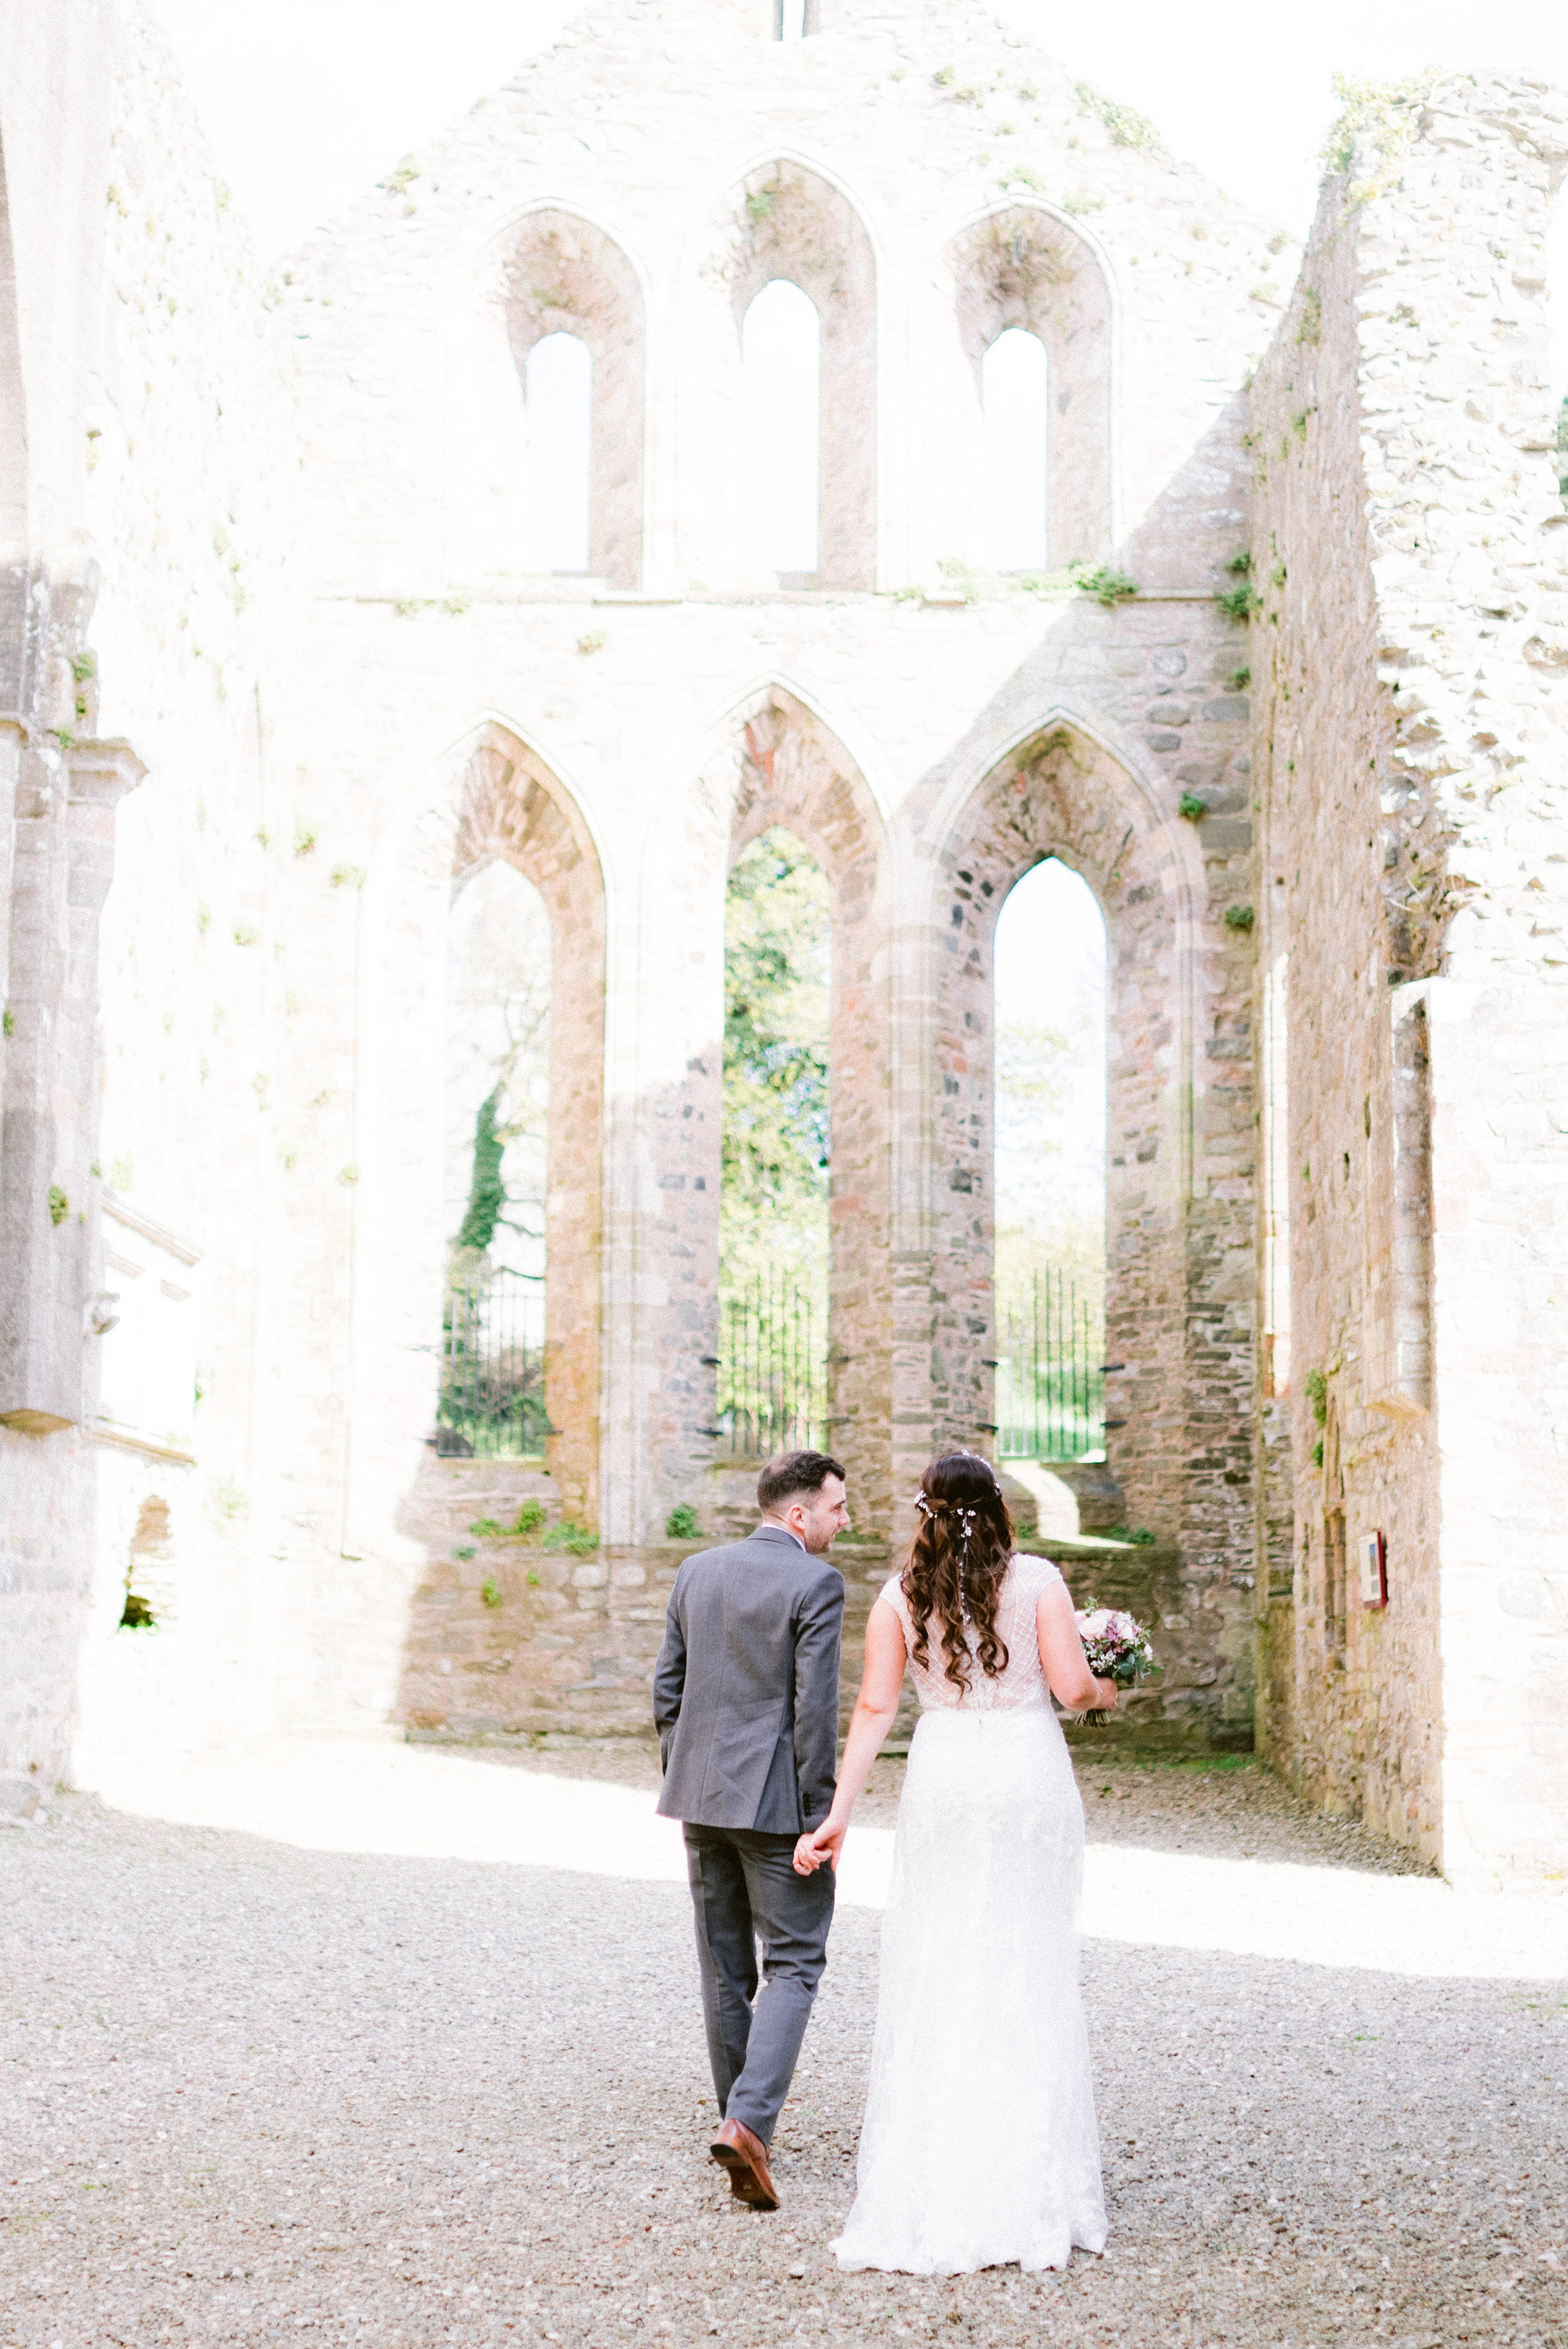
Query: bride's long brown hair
x=962 y=1547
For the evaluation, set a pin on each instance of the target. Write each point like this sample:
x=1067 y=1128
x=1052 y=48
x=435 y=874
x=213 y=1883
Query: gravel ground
x=255 y=2094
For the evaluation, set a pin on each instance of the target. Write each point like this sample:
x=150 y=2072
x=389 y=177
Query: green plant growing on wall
x=59 y=1205
x=571 y=1535
x=1127 y=128
x=529 y=1517
x=8 y=1022
x=595 y=641
x=681 y=1523
x=1239 y=917
x=1316 y=1386
x=1240 y=678
x=490 y=1591
x=958 y=578
x=464 y=1550
x=1141 y=1538
x=1191 y=806
x=1239 y=603
x=303 y=838
x=1381 y=118
x=1107 y=585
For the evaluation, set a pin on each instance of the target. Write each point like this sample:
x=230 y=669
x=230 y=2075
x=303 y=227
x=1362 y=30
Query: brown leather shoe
x=745 y=2158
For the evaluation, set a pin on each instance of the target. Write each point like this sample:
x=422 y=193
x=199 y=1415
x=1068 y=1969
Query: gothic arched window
x=558 y=400
x=781 y=365
x=1013 y=399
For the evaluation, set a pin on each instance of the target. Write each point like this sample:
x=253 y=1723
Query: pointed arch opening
x=785 y=845
x=775 y=1150
x=479 y=1180
x=1060 y=817
x=1021 y=273
x=780 y=361
x=574 y=309
x=558 y=479
x=785 y=227
x=1014 y=405
x=1049 y=1138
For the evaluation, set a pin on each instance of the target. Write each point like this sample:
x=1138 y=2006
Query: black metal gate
x=492 y=1400
x=772 y=1369
x=1050 y=1376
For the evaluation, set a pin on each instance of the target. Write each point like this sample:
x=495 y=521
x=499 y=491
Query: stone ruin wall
x=1410 y=645
x=420 y=623
x=151 y=535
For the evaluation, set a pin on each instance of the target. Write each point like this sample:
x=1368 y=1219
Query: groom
x=746 y=1701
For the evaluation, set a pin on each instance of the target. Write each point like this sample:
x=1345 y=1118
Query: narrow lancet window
x=1012 y=393
x=790 y=20
x=780 y=350
x=497 y=1062
x=558 y=396
x=1050 y=1182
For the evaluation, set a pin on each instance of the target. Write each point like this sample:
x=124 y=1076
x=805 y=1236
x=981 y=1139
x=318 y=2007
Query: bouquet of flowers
x=1117 y=1648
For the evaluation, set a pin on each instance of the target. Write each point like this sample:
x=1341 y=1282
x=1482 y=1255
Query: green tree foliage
x=776 y=1129
x=487 y=1191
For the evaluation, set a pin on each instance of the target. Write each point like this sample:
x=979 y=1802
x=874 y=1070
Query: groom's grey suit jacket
x=746 y=1690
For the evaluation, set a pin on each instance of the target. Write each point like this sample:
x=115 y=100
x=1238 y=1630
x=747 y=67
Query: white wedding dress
x=980 y=2144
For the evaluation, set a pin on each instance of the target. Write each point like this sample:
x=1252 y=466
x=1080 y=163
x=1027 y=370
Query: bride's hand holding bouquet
x=1117 y=1652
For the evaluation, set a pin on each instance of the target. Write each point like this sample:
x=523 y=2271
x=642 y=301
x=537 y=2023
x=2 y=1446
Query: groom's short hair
x=792 y=1473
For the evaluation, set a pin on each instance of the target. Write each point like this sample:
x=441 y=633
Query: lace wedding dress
x=980 y=2144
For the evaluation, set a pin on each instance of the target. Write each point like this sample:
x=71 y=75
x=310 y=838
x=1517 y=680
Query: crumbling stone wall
x=1409 y=551
x=133 y=824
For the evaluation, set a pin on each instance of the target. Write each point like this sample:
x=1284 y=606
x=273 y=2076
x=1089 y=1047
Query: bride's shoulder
x=891 y=1595
x=1034 y=1574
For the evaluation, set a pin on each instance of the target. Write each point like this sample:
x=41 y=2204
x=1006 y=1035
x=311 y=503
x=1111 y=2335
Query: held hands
x=820 y=1844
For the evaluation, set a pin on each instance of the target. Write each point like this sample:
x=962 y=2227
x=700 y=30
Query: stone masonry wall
x=1412 y=762
x=152 y=403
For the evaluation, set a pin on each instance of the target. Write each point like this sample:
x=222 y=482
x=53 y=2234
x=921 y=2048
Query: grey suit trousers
x=744 y=1892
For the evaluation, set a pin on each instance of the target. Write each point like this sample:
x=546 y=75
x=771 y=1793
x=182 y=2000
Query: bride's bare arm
x=876 y=1709
x=1062 y=1658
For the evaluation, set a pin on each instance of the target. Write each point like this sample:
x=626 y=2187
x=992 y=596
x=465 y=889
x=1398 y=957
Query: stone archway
x=509 y=808
x=776 y=763
x=1061 y=795
x=494 y=798
x=788 y=769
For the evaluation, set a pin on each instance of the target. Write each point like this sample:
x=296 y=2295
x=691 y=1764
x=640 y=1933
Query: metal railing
x=1050 y=1371
x=772 y=1369
x=492 y=1398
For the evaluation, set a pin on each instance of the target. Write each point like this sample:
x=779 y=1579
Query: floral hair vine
x=965 y=1515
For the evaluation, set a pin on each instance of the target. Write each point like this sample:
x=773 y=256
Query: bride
x=980 y=2144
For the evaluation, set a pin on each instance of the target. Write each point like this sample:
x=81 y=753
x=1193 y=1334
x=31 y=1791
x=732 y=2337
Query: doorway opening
x=497 y=1132
x=1050 y=1179
x=773 y=1212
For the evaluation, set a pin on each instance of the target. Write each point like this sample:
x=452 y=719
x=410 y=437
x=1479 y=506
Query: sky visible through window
x=781 y=370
